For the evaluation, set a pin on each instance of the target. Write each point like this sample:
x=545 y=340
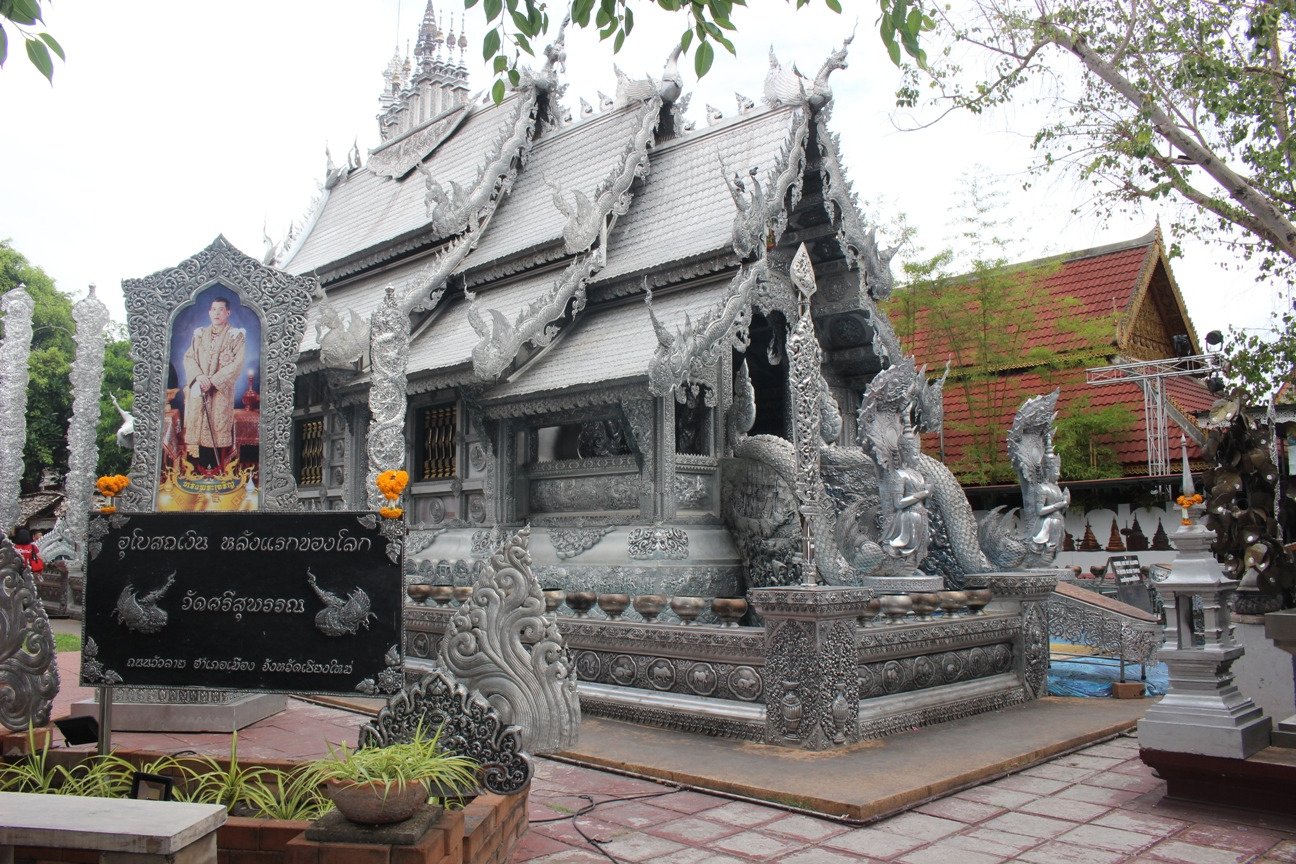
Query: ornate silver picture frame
x=152 y=304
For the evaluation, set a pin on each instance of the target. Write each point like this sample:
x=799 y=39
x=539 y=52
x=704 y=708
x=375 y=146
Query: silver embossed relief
x=341 y=616
x=390 y=679
x=502 y=645
x=92 y=670
x=141 y=612
x=15 y=351
x=657 y=542
x=388 y=352
x=581 y=494
x=279 y=299
x=91 y=318
x=469 y=726
x=29 y=677
x=570 y=542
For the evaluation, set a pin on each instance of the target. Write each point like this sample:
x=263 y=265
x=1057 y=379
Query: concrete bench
x=124 y=831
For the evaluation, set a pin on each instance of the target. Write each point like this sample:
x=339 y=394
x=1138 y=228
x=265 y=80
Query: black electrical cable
x=589 y=808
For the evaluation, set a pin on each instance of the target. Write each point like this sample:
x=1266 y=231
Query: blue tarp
x=1093 y=676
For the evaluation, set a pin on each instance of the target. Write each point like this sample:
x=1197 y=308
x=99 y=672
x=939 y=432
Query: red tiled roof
x=1099 y=283
x=1008 y=391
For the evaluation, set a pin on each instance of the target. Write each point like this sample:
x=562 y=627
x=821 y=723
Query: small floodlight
x=1214 y=338
x=78 y=730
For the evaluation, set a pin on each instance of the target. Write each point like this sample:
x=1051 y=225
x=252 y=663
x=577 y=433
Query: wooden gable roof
x=1129 y=282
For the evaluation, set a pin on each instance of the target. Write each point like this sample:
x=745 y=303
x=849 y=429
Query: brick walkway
x=1098 y=806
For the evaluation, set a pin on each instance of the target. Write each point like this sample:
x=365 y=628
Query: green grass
x=67 y=643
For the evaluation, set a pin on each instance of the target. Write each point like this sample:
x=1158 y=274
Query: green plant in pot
x=381 y=785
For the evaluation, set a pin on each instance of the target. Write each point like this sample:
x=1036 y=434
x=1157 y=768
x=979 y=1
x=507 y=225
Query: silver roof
x=611 y=345
x=364 y=296
x=449 y=340
x=577 y=158
x=365 y=210
x=685 y=210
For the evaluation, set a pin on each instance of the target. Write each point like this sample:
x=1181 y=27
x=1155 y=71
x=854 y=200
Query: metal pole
x=105 y=720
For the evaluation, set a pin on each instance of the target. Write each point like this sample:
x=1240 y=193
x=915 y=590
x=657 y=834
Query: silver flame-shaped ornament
x=17 y=306
x=91 y=317
x=502 y=645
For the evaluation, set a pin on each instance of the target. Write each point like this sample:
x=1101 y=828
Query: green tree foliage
x=23 y=17
x=1083 y=439
x=119 y=380
x=1148 y=100
x=986 y=318
x=514 y=26
x=49 y=393
x=1259 y=363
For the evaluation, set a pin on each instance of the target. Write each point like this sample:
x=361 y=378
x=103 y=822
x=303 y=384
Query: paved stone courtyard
x=1100 y=805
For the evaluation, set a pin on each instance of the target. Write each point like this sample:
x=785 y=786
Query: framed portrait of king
x=215 y=342
x=211 y=434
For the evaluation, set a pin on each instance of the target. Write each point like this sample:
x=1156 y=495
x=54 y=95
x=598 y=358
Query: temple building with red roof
x=1093 y=308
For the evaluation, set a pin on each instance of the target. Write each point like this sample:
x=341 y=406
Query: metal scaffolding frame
x=1151 y=375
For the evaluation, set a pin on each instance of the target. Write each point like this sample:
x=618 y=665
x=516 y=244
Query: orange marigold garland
x=110 y=486
x=391 y=484
x=1186 y=501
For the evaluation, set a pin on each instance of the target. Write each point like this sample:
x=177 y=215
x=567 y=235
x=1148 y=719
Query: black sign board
x=1125 y=568
x=271 y=602
x=1130 y=585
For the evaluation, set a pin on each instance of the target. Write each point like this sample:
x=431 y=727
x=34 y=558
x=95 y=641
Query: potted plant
x=380 y=785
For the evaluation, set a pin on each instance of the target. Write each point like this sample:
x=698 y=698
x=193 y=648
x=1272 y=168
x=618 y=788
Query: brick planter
x=483 y=832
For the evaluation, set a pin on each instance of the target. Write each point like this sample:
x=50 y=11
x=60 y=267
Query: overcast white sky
x=183 y=121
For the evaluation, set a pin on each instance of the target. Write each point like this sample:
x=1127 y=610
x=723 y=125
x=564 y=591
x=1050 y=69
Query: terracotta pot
x=377 y=802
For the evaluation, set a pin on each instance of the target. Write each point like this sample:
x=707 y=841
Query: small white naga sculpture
x=125 y=432
x=1034 y=540
x=887 y=433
